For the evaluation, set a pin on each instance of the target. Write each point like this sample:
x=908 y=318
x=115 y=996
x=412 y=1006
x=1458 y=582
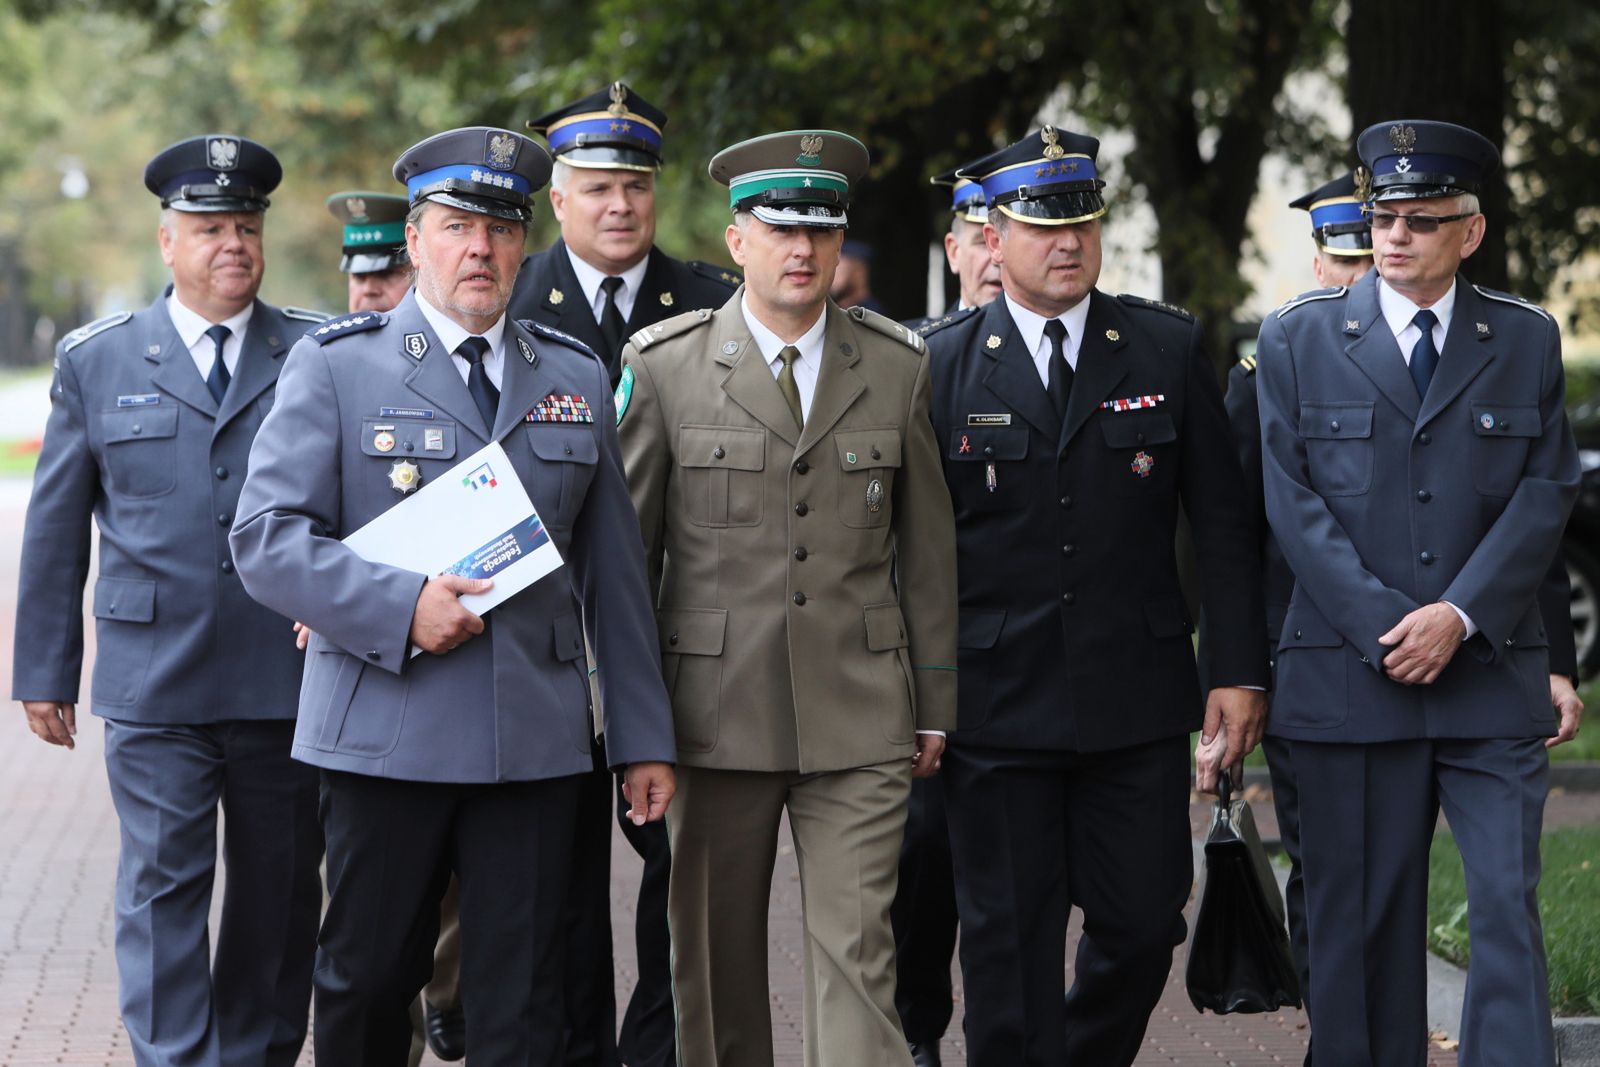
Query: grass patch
x=1568 y=897
x=18 y=458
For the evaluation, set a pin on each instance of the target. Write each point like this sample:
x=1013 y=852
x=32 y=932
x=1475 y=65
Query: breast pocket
x=1339 y=450
x=1501 y=434
x=141 y=450
x=868 y=460
x=987 y=467
x=1141 y=450
x=568 y=455
x=721 y=470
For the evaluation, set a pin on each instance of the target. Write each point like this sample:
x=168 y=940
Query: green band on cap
x=375 y=233
x=748 y=185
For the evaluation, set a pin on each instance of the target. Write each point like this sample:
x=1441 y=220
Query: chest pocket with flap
x=721 y=468
x=1338 y=437
x=868 y=460
x=411 y=438
x=567 y=454
x=141 y=449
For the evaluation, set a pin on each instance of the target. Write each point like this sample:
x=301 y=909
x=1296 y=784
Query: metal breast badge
x=875 y=496
x=404 y=477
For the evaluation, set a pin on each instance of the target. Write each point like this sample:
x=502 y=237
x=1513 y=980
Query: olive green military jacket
x=806 y=580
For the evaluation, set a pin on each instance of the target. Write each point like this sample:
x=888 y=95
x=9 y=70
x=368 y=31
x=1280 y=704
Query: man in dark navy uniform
x=152 y=418
x=1418 y=473
x=965 y=250
x=1074 y=425
x=602 y=281
x=605 y=279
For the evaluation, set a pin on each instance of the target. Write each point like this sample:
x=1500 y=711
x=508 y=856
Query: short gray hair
x=1468 y=204
x=560 y=171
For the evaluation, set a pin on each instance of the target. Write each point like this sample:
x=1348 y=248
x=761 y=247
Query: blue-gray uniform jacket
x=136 y=440
x=513 y=703
x=1383 y=503
x=1074 y=634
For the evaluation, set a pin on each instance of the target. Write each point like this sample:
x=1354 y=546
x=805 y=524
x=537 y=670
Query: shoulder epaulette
x=1156 y=305
x=667 y=328
x=721 y=275
x=1249 y=365
x=1308 y=298
x=337 y=327
x=305 y=314
x=535 y=326
x=1515 y=301
x=83 y=333
x=934 y=325
x=888 y=327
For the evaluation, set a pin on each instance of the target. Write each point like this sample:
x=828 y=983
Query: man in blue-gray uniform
x=604 y=279
x=152 y=417
x=1073 y=426
x=1419 y=470
x=468 y=758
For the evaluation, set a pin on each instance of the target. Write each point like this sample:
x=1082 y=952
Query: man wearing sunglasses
x=1418 y=472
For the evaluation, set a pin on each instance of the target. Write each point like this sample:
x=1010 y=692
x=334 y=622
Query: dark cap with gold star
x=374 y=230
x=795 y=178
x=217 y=172
x=1410 y=159
x=1049 y=178
x=1338 y=223
x=966 y=195
x=613 y=129
x=477 y=168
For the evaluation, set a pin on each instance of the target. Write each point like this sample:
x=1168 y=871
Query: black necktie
x=217 y=381
x=1059 y=385
x=612 y=328
x=1424 y=357
x=484 y=394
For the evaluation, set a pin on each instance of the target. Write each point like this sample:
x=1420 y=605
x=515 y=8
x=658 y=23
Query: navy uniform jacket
x=511 y=704
x=1555 y=592
x=1074 y=633
x=136 y=440
x=1383 y=503
x=547 y=291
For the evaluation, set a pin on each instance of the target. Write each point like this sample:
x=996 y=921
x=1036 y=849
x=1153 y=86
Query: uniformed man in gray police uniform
x=466 y=759
x=1419 y=470
x=152 y=416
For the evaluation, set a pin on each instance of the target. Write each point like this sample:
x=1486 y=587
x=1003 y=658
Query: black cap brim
x=372 y=262
x=218 y=204
x=481 y=205
x=1344 y=242
x=1059 y=209
x=609 y=157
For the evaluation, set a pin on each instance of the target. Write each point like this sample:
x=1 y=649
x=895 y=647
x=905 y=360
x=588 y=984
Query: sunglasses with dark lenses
x=1382 y=220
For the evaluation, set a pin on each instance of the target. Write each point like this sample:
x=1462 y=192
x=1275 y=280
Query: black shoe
x=925 y=1055
x=446 y=1029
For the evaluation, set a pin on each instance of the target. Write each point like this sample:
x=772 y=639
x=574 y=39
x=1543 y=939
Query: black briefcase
x=1239 y=957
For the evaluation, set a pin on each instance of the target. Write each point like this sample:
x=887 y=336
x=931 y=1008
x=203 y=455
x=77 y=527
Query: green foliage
x=1567 y=894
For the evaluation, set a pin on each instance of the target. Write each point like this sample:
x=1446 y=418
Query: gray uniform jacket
x=1383 y=503
x=136 y=440
x=513 y=703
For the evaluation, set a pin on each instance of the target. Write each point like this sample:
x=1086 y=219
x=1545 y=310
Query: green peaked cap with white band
x=794 y=178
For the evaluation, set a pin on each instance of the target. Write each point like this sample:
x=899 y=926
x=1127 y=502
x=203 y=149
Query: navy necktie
x=1424 y=357
x=1059 y=385
x=612 y=327
x=484 y=394
x=217 y=381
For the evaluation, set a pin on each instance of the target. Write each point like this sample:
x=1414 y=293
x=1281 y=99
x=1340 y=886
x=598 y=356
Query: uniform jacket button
x=1297 y=635
x=718 y=452
x=879 y=455
x=988 y=450
x=799 y=598
x=802 y=467
x=374 y=656
x=222 y=472
x=227 y=566
x=1069 y=598
x=1334 y=425
x=1426 y=558
x=800 y=508
x=672 y=640
x=1424 y=496
x=1425 y=437
x=224 y=519
x=800 y=553
x=137 y=429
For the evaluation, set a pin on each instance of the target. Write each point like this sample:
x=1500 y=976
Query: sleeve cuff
x=1466 y=620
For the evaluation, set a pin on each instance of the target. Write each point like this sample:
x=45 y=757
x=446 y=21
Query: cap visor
x=604 y=157
x=1059 y=210
x=500 y=209
x=824 y=216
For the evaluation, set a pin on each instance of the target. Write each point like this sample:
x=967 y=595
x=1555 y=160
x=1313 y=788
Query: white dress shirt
x=1030 y=325
x=1398 y=310
x=589 y=280
x=192 y=329
x=451 y=333
x=809 y=346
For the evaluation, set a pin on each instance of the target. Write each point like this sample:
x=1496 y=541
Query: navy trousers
x=924 y=917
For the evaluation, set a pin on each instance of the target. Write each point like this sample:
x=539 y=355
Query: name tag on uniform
x=1003 y=419
x=138 y=400
x=560 y=407
x=405 y=413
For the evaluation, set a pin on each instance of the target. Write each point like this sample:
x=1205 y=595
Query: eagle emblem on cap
x=810 y=149
x=222 y=153
x=357 y=208
x=1363 y=180
x=619 y=99
x=1402 y=138
x=1052 y=144
x=502 y=151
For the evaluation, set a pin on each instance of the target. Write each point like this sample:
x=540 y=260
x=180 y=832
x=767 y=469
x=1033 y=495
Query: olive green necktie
x=786 y=385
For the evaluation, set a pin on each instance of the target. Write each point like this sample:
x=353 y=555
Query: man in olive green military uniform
x=799 y=537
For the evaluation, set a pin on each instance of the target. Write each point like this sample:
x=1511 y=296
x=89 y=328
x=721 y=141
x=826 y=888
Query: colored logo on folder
x=482 y=478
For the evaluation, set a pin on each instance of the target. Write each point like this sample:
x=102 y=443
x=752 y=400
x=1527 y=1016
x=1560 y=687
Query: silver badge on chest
x=875 y=496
